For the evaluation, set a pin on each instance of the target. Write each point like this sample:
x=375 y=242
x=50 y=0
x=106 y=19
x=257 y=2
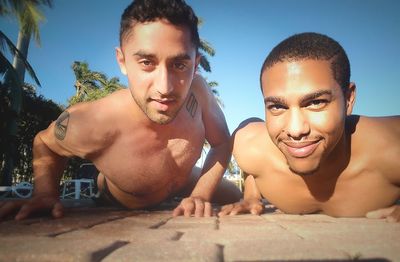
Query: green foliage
x=27 y=13
x=91 y=85
x=36 y=114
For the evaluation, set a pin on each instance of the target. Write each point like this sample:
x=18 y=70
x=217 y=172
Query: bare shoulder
x=201 y=89
x=211 y=115
x=377 y=128
x=251 y=145
x=378 y=139
x=85 y=128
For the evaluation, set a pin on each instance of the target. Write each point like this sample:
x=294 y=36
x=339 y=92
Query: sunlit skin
x=311 y=155
x=305 y=111
x=145 y=140
x=159 y=77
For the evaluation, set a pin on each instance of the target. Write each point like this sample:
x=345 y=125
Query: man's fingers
x=199 y=208
x=188 y=208
x=177 y=211
x=58 y=210
x=8 y=208
x=237 y=209
x=394 y=217
x=256 y=209
x=380 y=213
x=25 y=211
x=225 y=210
x=208 y=209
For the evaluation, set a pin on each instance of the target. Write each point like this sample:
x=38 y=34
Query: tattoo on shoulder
x=191 y=105
x=60 y=129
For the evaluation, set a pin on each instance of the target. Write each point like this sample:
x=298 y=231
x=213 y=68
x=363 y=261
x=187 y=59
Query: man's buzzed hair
x=315 y=46
x=177 y=12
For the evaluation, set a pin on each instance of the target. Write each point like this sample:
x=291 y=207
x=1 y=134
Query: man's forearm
x=212 y=172
x=47 y=168
x=250 y=188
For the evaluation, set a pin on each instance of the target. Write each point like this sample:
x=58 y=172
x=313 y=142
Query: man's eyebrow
x=144 y=54
x=307 y=97
x=275 y=100
x=182 y=56
x=179 y=56
x=316 y=94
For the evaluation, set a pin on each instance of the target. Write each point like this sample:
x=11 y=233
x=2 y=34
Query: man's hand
x=392 y=214
x=33 y=205
x=193 y=205
x=253 y=206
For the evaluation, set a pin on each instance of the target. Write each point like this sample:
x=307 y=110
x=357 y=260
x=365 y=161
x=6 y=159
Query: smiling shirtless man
x=311 y=155
x=144 y=140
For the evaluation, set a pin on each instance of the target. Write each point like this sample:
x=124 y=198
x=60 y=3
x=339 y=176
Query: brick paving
x=108 y=234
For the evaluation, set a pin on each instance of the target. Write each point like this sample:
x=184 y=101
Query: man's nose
x=297 y=124
x=164 y=81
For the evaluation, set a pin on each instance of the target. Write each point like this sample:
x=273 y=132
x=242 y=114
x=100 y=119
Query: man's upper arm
x=249 y=146
x=74 y=133
x=393 y=129
x=216 y=129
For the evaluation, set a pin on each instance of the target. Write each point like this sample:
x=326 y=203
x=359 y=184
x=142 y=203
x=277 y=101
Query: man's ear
x=197 y=62
x=350 y=96
x=120 y=59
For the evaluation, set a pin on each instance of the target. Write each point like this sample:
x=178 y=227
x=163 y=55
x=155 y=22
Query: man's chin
x=303 y=171
x=161 y=119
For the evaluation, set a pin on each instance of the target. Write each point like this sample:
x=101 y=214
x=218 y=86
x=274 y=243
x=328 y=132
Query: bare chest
x=351 y=196
x=143 y=162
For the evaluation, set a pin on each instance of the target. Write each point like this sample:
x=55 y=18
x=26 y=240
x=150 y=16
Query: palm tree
x=91 y=85
x=28 y=16
x=207 y=49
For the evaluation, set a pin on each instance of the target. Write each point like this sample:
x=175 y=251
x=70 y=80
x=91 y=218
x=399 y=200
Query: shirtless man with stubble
x=311 y=155
x=144 y=140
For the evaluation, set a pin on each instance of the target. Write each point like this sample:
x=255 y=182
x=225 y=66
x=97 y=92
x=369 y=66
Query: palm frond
x=15 y=52
x=204 y=63
x=206 y=47
x=6 y=67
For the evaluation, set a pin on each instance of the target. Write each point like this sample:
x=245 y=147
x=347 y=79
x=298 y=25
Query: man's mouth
x=301 y=149
x=162 y=104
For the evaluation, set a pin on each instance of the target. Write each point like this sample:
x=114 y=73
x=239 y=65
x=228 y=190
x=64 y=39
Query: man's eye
x=275 y=108
x=317 y=104
x=179 y=66
x=146 y=62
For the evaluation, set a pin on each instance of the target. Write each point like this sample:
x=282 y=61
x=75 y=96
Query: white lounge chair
x=22 y=190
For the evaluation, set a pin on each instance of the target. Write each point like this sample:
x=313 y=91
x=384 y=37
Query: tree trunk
x=16 y=105
x=22 y=46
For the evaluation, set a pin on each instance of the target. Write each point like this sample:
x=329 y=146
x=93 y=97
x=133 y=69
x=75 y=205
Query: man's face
x=305 y=111
x=159 y=60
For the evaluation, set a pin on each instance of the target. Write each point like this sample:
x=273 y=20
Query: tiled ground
x=106 y=234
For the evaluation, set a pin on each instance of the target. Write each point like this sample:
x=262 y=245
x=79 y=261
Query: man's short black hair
x=314 y=46
x=177 y=12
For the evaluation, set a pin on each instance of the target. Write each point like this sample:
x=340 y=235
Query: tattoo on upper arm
x=191 y=105
x=60 y=129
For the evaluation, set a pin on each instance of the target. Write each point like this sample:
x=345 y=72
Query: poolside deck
x=107 y=234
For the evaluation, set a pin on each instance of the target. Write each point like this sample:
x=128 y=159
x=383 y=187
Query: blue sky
x=242 y=36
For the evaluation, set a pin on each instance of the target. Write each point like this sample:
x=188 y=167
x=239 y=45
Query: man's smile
x=301 y=149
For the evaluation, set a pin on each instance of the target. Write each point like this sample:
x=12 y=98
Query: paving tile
x=274 y=250
x=167 y=251
x=48 y=226
x=227 y=234
x=93 y=234
x=364 y=231
x=130 y=234
x=241 y=220
x=50 y=249
x=320 y=218
x=189 y=223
